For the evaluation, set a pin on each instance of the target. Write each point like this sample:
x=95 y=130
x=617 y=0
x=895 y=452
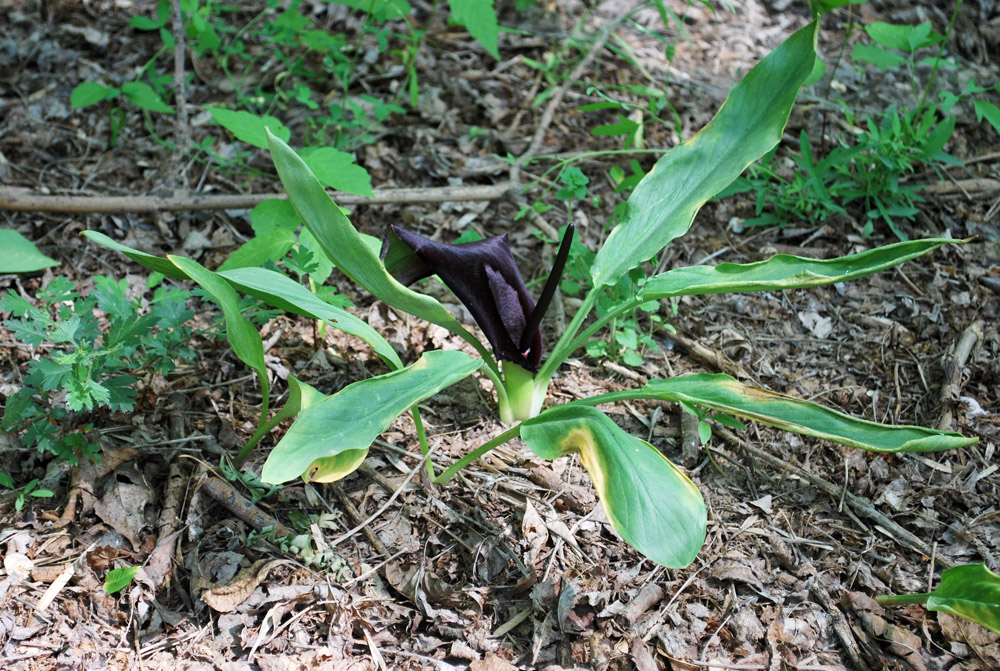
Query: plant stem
x=902 y=599
x=422 y=437
x=494 y=442
x=937 y=59
x=564 y=347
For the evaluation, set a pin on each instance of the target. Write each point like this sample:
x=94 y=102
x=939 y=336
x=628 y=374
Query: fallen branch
x=20 y=199
x=952 y=387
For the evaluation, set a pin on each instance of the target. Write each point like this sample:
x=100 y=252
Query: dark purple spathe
x=483 y=275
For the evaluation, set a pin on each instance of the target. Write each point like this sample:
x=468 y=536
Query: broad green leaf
x=90 y=93
x=119 y=578
x=653 y=506
x=348 y=249
x=880 y=58
x=337 y=170
x=144 y=23
x=261 y=248
x=989 y=111
x=749 y=123
x=273 y=213
x=353 y=418
x=247 y=127
x=783 y=271
x=242 y=335
x=889 y=35
x=723 y=393
x=480 y=19
x=20 y=254
x=144 y=97
x=283 y=293
x=971 y=591
x=301 y=395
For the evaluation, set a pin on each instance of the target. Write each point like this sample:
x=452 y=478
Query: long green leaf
x=749 y=123
x=284 y=293
x=971 y=591
x=351 y=419
x=723 y=393
x=653 y=506
x=155 y=263
x=346 y=247
x=242 y=335
x=782 y=271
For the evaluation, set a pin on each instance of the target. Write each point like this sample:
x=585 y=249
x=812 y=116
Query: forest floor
x=513 y=564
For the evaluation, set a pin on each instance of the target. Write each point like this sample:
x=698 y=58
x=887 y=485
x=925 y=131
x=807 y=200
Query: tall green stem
x=563 y=348
x=902 y=599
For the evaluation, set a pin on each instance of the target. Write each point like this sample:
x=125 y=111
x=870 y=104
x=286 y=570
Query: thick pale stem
x=525 y=394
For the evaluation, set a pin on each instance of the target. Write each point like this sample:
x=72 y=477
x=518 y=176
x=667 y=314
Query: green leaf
x=144 y=97
x=337 y=170
x=90 y=93
x=119 y=578
x=242 y=335
x=704 y=432
x=880 y=58
x=348 y=249
x=480 y=19
x=155 y=263
x=274 y=213
x=144 y=23
x=247 y=127
x=283 y=293
x=889 y=35
x=783 y=271
x=724 y=394
x=351 y=419
x=971 y=591
x=749 y=123
x=261 y=248
x=5 y=481
x=988 y=111
x=20 y=255
x=653 y=506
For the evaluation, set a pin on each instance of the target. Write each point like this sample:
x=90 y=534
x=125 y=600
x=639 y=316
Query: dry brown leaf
x=492 y=663
x=227 y=598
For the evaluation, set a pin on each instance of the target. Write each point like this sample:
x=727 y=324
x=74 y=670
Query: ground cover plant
x=869 y=166
x=651 y=503
x=483 y=540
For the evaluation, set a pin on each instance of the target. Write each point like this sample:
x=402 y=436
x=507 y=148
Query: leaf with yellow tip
x=653 y=506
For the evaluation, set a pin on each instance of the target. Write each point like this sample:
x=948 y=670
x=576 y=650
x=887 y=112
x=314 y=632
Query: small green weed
x=868 y=168
x=30 y=489
x=93 y=346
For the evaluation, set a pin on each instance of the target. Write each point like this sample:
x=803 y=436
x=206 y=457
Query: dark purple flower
x=484 y=276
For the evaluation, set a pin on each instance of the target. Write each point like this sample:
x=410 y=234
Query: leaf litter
x=514 y=564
